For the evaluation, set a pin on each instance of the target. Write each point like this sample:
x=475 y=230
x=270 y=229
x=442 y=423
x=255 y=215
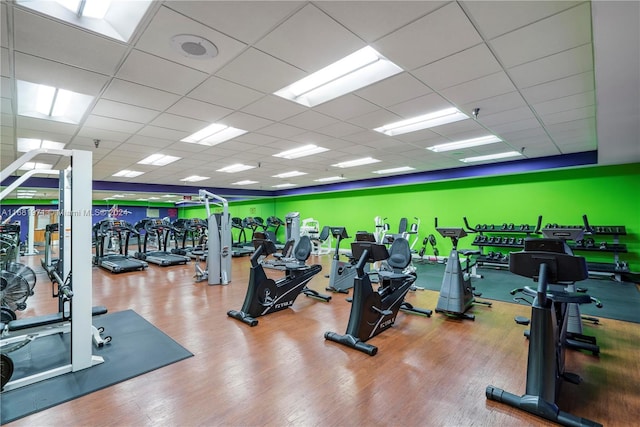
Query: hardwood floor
x=428 y=371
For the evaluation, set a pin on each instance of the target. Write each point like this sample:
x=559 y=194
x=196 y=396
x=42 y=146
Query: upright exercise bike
x=546 y=261
x=456 y=293
x=265 y=295
x=373 y=312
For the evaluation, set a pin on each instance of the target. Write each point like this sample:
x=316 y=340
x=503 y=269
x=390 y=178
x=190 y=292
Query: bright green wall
x=609 y=195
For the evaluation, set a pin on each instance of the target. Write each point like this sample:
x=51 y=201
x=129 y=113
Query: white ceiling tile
x=50 y=126
x=565 y=103
x=396 y=89
x=4 y=34
x=143 y=96
x=429 y=38
x=224 y=93
x=494 y=18
x=554 y=67
x=5 y=70
x=167 y=23
x=339 y=129
x=259 y=71
x=91 y=133
x=119 y=110
x=420 y=105
x=310 y=40
x=65 y=43
x=149 y=70
x=478 y=89
x=374 y=119
x=52 y=73
x=511 y=115
x=171 y=121
x=5 y=106
x=147 y=141
x=281 y=130
x=346 y=107
x=515 y=126
x=310 y=120
x=274 y=108
x=112 y=124
x=245 y=121
x=570 y=115
x=557 y=33
x=571 y=85
x=456 y=69
x=199 y=110
x=246 y=21
x=163 y=133
x=495 y=104
x=372 y=20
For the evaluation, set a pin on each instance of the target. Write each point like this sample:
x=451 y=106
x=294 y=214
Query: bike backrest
x=302 y=251
x=399 y=254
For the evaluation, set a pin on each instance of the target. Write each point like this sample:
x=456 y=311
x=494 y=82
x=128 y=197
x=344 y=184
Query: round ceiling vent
x=194 y=46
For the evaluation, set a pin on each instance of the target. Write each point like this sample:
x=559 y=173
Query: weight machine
x=75 y=212
x=218 y=271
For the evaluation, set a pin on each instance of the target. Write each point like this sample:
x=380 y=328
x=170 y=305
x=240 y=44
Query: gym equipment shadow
x=620 y=300
x=137 y=347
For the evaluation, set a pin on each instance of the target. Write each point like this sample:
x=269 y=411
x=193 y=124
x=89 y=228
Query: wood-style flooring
x=428 y=371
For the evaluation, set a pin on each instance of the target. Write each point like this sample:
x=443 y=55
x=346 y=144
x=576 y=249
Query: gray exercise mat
x=137 y=347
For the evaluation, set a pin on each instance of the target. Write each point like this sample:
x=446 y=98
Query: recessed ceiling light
x=245 y=182
x=306 y=150
x=466 y=143
x=194 y=178
x=33 y=165
x=158 y=160
x=360 y=69
x=194 y=47
x=394 y=170
x=283 y=185
x=214 y=134
x=289 y=174
x=51 y=103
x=357 y=162
x=329 y=178
x=126 y=173
x=238 y=167
x=424 y=121
x=28 y=144
x=491 y=157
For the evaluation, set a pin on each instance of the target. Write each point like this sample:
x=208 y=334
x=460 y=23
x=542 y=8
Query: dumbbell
x=603 y=245
x=504 y=226
x=512 y=240
x=589 y=243
x=512 y=226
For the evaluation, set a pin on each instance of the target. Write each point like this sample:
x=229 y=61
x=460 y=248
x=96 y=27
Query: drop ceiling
x=550 y=78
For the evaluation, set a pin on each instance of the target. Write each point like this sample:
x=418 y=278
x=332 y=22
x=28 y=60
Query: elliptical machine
x=342 y=272
x=373 y=312
x=265 y=295
x=457 y=294
x=547 y=261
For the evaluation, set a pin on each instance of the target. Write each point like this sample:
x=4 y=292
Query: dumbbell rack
x=505 y=235
x=590 y=244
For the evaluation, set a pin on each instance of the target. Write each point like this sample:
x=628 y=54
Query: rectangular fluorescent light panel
x=329 y=179
x=32 y=165
x=491 y=157
x=245 y=182
x=394 y=170
x=214 y=134
x=158 y=160
x=467 y=143
x=289 y=174
x=194 y=178
x=51 y=103
x=424 y=121
x=283 y=185
x=306 y=150
x=28 y=144
x=355 y=71
x=357 y=162
x=238 y=167
x=126 y=173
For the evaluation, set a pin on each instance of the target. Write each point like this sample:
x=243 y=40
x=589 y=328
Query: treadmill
x=117 y=232
x=160 y=230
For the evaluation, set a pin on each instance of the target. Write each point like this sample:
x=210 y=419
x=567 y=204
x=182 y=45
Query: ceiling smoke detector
x=194 y=46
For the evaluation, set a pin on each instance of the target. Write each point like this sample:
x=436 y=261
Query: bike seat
x=568 y=297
